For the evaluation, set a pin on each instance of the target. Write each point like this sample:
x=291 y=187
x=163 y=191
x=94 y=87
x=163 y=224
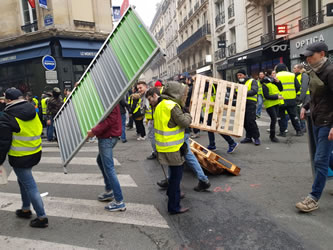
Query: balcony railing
x=30 y=27
x=231 y=11
x=220 y=19
x=267 y=37
x=190 y=13
x=203 y=31
x=232 y=49
x=311 y=21
x=220 y=54
x=196 y=6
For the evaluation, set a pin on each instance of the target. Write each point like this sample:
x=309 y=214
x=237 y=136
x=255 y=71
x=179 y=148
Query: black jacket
x=123 y=106
x=321 y=104
x=8 y=124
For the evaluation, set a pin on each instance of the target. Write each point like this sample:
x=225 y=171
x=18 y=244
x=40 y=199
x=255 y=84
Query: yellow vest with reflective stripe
x=272 y=90
x=299 y=78
x=288 y=82
x=137 y=106
x=28 y=141
x=259 y=88
x=44 y=105
x=248 y=83
x=149 y=113
x=212 y=99
x=35 y=101
x=167 y=139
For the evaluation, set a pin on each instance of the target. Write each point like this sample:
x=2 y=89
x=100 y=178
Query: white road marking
x=7 y=242
x=82 y=150
x=263 y=124
x=136 y=214
x=76 y=160
x=75 y=179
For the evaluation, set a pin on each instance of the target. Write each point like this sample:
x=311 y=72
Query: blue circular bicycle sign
x=49 y=62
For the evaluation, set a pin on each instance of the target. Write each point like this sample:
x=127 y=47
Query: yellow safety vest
x=35 y=101
x=299 y=78
x=137 y=106
x=259 y=88
x=44 y=105
x=288 y=82
x=28 y=141
x=167 y=139
x=212 y=99
x=248 y=83
x=272 y=90
x=149 y=113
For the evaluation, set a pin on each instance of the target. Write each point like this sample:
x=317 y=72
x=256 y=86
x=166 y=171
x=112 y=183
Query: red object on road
x=124 y=7
x=32 y=3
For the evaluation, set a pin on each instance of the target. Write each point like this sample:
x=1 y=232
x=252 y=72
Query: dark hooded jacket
x=8 y=125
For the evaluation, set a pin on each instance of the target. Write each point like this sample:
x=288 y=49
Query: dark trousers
x=291 y=110
x=273 y=113
x=301 y=122
x=250 y=123
x=130 y=123
x=140 y=128
x=211 y=135
x=173 y=192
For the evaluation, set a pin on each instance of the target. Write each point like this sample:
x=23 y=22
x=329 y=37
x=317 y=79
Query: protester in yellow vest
x=169 y=124
x=24 y=152
x=290 y=88
x=272 y=101
x=261 y=76
x=250 y=125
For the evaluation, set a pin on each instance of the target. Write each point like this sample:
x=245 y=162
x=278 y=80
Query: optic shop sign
x=49 y=62
x=299 y=45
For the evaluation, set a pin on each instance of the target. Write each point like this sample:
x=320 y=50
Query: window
x=29 y=17
x=191 y=29
x=198 y=23
x=269 y=19
x=204 y=18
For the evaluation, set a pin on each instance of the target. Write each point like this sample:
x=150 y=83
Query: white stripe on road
x=75 y=179
x=262 y=124
x=7 y=242
x=136 y=214
x=83 y=150
x=75 y=161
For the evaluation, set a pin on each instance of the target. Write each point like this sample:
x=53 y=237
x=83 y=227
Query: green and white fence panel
x=121 y=60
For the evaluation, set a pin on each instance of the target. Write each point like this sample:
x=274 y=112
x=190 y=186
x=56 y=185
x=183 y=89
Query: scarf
x=317 y=66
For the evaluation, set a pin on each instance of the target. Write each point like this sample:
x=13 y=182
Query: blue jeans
x=123 y=127
x=322 y=157
x=176 y=174
x=259 y=107
x=106 y=164
x=151 y=135
x=29 y=191
x=50 y=131
x=192 y=161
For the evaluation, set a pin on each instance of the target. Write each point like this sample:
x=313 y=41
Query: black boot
x=299 y=133
x=202 y=186
x=274 y=139
x=40 y=223
x=163 y=183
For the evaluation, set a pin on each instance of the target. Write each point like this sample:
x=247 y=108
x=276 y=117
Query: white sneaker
x=197 y=135
x=141 y=138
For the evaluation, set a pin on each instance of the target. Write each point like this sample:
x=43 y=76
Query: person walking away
x=303 y=95
x=290 y=88
x=250 y=125
x=129 y=125
x=169 y=124
x=123 y=106
x=321 y=108
x=138 y=116
x=45 y=97
x=20 y=138
x=260 y=94
x=272 y=101
x=108 y=133
x=54 y=104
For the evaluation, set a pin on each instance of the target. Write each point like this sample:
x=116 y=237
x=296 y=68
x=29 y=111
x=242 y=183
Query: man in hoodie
x=20 y=138
x=321 y=108
x=250 y=124
x=53 y=106
x=169 y=124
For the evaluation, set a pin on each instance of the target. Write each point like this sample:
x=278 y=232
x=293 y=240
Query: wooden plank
x=238 y=112
x=195 y=95
x=217 y=107
x=231 y=97
x=199 y=100
x=222 y=106
x=242 y=111
x=209 y=95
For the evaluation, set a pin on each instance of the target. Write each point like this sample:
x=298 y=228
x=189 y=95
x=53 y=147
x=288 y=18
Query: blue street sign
x=116 y=13
x=49 y=62
x=48 y=20
x=43 y=4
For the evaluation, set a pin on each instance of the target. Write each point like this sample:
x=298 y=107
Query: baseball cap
x=13 y=94
x=315 y=47
x=56 y=90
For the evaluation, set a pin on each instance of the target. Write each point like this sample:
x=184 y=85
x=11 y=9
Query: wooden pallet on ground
x=229 y=105
x=211 y=161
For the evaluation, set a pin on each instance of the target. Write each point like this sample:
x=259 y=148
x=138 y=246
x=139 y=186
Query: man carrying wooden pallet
x=250 y=124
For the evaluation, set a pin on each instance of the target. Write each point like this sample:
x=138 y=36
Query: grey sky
x=145 y=8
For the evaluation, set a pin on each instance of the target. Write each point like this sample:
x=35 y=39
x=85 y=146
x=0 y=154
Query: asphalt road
x=255 y=210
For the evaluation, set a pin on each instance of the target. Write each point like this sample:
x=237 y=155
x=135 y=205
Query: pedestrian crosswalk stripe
x=7 y=242
x=75 y=179
x=76 y=161
x=136 y=214
x=82 y=150
x=263 y=124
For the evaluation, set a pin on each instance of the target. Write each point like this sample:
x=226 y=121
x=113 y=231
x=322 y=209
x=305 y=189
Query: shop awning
x=24 y=53
x=79 y=48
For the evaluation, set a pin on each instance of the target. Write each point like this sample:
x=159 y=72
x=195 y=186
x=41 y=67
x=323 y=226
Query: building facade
x=71 y=31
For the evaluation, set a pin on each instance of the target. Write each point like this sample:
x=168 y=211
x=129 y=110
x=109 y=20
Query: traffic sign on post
x=49 y=62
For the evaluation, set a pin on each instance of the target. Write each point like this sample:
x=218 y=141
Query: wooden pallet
x=229 y=106
x=212 y=162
